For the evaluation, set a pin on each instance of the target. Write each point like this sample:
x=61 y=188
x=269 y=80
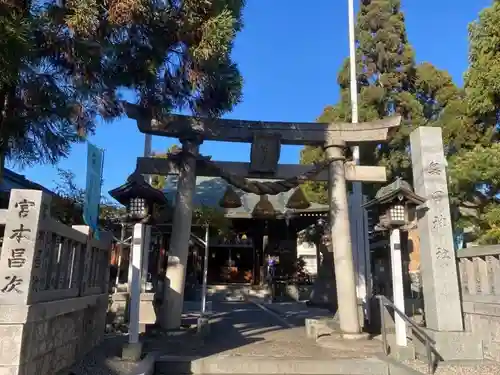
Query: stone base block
x=403 y=353
x=449 y=346
x=132 y=351
x=318 y=327
x=147 y=312
x=355 y=336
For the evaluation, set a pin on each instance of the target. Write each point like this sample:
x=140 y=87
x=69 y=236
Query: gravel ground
x=458 y=367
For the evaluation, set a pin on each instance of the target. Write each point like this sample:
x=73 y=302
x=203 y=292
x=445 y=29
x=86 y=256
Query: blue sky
x=289 y=54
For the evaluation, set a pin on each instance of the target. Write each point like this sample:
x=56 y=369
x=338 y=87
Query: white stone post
x=130 y=268
x=205 y=272
x=342 y=245
x=135 y=291
x=173 y=299
x=145 y=257
x=397 y=287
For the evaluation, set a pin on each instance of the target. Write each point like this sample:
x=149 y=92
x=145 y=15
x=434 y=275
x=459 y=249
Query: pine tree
x=62 y=64
x=389 y=83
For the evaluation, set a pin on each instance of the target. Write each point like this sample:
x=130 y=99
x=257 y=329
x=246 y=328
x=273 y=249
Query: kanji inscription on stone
x=434 y=168
x=24 y=207
x=442 y=253
x=437 y=196
x=439 y=222
x=17 y=258
x=265 y=154
x=19 y=234
x=13 y=282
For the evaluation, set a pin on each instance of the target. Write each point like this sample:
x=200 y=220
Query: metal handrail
x=384 y=301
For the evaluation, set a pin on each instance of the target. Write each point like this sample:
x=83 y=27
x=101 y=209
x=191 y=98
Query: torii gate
x=266 y=139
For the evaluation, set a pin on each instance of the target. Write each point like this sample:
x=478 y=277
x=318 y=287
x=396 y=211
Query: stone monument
x=442 y=299
x=443 y=310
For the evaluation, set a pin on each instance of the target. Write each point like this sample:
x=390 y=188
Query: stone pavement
x=244 y=329
x=240 y=331
x=294 y=313
x=245 y=338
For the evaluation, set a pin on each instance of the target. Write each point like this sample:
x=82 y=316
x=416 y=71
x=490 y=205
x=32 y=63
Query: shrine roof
x=210 y=190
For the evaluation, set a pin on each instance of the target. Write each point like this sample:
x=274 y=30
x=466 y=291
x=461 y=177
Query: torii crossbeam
x=266 y=139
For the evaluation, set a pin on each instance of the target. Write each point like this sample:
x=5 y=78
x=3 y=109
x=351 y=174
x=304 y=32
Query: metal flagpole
x=148 y=141
x=205 y=273
x=360 y=251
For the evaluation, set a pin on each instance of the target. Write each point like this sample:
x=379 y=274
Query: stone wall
x=45 y=338
x=480 y=285
x=54 y=290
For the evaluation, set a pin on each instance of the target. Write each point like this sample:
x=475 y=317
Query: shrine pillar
x=341 y=242
x=173 y=294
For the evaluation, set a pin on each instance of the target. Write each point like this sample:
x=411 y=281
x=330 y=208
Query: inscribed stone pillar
x=443 y=311
x=21 y=258
x=181 y=232
x=341 y=243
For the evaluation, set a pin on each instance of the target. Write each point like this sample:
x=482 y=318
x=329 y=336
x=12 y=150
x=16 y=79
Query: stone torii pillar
x=341 y=242
x=173 y=292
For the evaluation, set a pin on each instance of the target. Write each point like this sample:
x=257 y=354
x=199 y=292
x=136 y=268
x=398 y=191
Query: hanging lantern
x=298 y=200
x=230 y=199
x=264 y=208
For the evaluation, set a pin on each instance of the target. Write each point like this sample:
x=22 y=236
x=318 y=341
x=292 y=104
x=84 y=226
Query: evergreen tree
x=481 y=80
x=63 y=63
x=474 y=172
x=389 y=83
x=159 y=182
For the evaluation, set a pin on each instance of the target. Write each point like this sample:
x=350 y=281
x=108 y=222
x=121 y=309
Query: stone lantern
x=143 y=204
x=142 y=201
x=396 y=205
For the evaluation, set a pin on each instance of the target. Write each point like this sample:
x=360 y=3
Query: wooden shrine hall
x=260 y=226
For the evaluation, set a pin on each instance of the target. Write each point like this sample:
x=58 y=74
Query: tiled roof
x=12 y=180
x=209 y=191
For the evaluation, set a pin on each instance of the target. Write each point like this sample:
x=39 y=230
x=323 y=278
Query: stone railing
x=53 y=288
x=479 y=269
x=479 y=273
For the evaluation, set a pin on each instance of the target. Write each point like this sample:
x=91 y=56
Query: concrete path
x=247 y=339
x=244 y=338
x=293 y=312
x=245 y=329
